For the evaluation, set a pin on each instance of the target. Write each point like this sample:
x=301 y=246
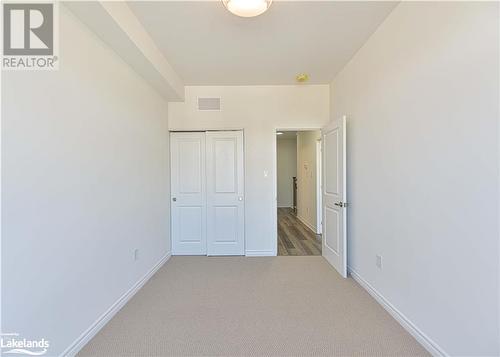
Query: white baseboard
x=260 y=253
x=85 y=337
x=409 y=326
x=307 y=224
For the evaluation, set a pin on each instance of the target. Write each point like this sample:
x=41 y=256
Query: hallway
x=294 y=237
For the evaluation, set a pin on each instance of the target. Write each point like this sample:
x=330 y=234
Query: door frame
x=319 y=190
x=191 y=130
x=275 y=177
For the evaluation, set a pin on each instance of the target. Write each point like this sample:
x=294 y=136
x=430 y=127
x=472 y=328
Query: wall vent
x=208 y=103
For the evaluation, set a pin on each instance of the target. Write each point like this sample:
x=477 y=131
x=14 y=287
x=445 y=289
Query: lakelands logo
x=11 y=343
x=29 y=36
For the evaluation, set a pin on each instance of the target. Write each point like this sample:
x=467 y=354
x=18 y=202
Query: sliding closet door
x=225 y=193
x=188 y=186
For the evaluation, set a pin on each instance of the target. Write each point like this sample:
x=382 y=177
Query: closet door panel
x=188 y=193
x=225 y=193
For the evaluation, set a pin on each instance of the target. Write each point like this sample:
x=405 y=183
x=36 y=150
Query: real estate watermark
x=11 y=343
x=30 y=36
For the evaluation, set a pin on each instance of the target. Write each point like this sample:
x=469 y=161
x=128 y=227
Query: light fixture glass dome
x=247 y=8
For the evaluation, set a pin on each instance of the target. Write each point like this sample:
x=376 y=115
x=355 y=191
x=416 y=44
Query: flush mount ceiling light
x=279 y=133
x=247 y=8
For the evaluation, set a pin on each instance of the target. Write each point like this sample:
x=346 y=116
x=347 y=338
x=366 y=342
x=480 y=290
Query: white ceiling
x=207 y=45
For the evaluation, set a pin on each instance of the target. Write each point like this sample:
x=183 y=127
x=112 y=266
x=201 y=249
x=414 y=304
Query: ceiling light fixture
x=279 y=133
x=247 y=8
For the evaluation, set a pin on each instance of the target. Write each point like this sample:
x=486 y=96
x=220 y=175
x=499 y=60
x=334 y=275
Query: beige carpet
x=237 y=306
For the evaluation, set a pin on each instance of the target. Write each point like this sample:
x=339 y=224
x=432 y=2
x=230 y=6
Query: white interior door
x=225 y=193
x=334 y=195
x=188 y=190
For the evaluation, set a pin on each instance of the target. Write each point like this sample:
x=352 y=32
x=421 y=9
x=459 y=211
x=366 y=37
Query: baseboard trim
x=431 y=346
x=307 y=224
x=86 y=336
x=260 y=253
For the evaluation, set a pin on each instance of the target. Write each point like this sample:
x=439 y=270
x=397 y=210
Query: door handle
x=240 y=198
x=174 y=199
x=341 y=204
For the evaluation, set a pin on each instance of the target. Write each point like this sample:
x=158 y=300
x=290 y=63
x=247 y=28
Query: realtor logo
x=28 y=29
x=28 y=36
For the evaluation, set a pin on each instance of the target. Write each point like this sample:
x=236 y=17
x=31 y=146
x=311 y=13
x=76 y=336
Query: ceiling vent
x=209 y=104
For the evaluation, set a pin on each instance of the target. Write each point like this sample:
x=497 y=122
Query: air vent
x=208 y=103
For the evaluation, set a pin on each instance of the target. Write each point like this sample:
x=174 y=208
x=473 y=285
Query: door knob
x=340 y=204
x=240 y=198
x=174 y=199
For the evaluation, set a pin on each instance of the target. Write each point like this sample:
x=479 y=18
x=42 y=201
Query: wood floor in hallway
x=294 y=237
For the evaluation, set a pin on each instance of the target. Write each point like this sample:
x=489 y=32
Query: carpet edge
x=90 y=332
x=432 y=347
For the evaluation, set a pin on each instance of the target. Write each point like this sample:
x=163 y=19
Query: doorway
x=297 y=185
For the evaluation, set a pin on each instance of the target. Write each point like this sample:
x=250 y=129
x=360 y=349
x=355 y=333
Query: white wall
x=259 y=110
x=421 y=98
x=286 y=150
x=85 y=181
x=306 y=177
